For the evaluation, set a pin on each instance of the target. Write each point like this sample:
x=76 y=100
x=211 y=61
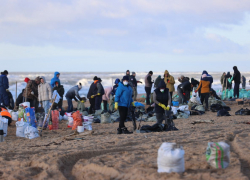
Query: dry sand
x=106 y=155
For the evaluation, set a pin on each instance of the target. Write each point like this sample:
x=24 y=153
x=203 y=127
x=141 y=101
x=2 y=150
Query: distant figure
x=90 y=93
x=73 y=93
x=148 y=86
x=134 y=83
x=115 y=86
x=228 y=85
x=183 y=89
x=169 y=81
x=44 y=94
x=54 y=79
x=157 y=81
x=106 y=97
x=243 y=80
x=194 y=85
x=205 y=86
x=4 y=86
x=222 y=80
x=60 y=90
x=128 y=73
x=236 y=79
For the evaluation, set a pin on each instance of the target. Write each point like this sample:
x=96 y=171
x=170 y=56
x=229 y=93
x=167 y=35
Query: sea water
x=69 y=80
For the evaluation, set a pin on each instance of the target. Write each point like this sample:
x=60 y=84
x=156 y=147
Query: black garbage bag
x=96 y=120
x=217 y=107
x=154 y=128
x=243 y=112
x=196 y=112
x=223 y=112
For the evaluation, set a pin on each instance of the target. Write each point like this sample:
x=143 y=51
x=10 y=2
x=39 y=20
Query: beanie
x=95 y=78
x=6 y=72
x=125 y=78
x=150 y=72
x=26 y=80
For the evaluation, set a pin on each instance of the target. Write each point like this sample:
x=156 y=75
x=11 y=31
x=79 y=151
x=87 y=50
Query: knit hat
x=99 y=79
x=133 y=72
x=6 y=72
x=80 y=85
x=150 y=72
x=26 y=80
x=125 y=78
x=95 y=78
x=56 y=82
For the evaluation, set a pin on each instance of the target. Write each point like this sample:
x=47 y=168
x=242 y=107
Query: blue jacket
x=123 y=95
x=4 y=84
x=54 y=79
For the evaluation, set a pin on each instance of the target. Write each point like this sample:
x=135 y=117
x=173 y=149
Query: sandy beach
x=106 y=155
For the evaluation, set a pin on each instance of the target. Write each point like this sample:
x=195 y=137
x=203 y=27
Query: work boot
x=119 y=131
x=125 y=131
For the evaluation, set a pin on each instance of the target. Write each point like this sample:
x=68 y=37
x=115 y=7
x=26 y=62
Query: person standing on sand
x=4 y=86
x=92 y=91
x=134 y=83
x=222 y=81
x=243 y=80
x=205 y=87
x=31 y=92
x=44 y=94
x=162 y=100
x=183 y=89
x=72 y=94
x=60 y=90
x=123 y=100
x=106 y=98
x=54 y=79
x=237 y=81
x=169 y=81
x=157 y=81
x=148 y=86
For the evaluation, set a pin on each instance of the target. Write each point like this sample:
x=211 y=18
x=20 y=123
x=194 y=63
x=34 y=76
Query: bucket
x=80 y=129
x=175 y=103
x=87 y=126
x=4 y=125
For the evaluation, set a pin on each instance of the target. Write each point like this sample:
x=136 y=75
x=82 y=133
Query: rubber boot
x=125 y=131
x=119 y=131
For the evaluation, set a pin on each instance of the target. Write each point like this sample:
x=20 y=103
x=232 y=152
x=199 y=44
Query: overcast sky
x=116 y=35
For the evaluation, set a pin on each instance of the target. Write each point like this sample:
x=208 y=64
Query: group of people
x=122 y=94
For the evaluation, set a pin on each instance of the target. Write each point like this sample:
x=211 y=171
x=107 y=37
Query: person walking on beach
x=162 y=100
x=237 y=81
x=31 y=92
x=148 y=86
x=205 y=86
x=4 y=86
x=54 y=79
x=123 y=100
x=134 y=83
x=169 y=81
x=243 y=80
x=44 y=94
x=73 y=93
x=222 y=80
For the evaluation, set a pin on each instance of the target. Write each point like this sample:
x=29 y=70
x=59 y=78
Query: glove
x=116 y=105
x=82 y=101
x=184 y=94
x=32 y=93
x=162 y=106
x=92 y=96
x=133 y=104
x=168 y=81
x=98 y=94
x=167 y=108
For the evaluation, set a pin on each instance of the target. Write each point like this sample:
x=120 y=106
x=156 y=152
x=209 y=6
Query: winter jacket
x=4 y=84
x=222 y=79
x=157 y=81
x=54 y=79
x=133 y=81
x=169 y=81
x=73 y=93
x=123 y=95
x=107 y=93
x=210 y=78
x=194 y=82
x=160 y=97
x=204 y=85
x=148 y=81
x=237 y=76
x=226 y=82
x=32 y=86
x=243 y=81
x=100 y=88
x=59 y=89
x=114 y=89
x=185 y=84
x=44 y=91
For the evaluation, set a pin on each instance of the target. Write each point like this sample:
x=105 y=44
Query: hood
x=55 y=74
x=166 y=72
x=228 y=73
x=42 y=77
x=235 y=69
x=204 y=72
x=117 y=81
x=162 y=84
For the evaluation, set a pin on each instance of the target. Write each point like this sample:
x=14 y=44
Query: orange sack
x=77 y=120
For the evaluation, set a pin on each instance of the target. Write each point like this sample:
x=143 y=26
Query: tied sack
x=170 y=158
x=77 y=120
x=20 y=127
x=218 y=155
x=31 y=132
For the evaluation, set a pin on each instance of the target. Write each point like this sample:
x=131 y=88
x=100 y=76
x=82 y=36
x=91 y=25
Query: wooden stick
x=48 y=114
x=16 y=96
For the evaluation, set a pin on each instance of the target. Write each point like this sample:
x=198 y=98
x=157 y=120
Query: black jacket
x=60 y=90
x=237 y=77
x=162 y=98
x=226 y=82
